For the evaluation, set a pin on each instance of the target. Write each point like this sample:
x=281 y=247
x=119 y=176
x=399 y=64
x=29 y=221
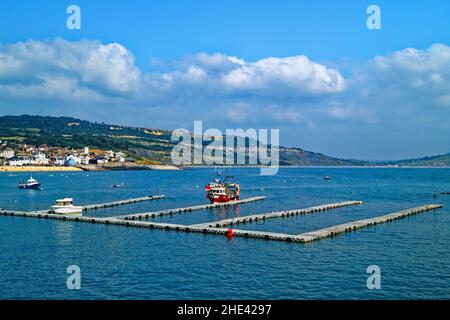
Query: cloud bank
x=67 y=70
x=271 y=77
x=423 y=74
x=90 y=69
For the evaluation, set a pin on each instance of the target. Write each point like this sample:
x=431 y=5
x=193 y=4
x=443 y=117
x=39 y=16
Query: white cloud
x=269 y=78
x=112 y=67
x=58 y=68
x=297 y=75
x=415 y=75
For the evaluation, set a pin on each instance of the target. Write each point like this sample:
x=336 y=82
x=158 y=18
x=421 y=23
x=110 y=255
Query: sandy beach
x=127 y=166
x=37 y=169
x=85 y=168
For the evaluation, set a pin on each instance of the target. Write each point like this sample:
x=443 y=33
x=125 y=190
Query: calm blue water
x=127 y=263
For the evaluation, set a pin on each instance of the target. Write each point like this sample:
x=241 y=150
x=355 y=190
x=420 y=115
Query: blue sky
x=333 y=86
x=252 y=29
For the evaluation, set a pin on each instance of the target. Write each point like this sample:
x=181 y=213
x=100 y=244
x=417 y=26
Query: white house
x=102 y=160
x=120 y=156
x=58 y=161
x=6 y=154
x=84 y=159
x=18 y=161
x=39 y=159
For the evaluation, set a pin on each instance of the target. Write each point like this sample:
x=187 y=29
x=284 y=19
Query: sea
x=116 y=262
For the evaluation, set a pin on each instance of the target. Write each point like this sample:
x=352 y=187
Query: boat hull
x=74 y=211
x=222 y=199
x=32 y=187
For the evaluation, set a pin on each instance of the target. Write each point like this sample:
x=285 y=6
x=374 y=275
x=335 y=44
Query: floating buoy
x=230 y=233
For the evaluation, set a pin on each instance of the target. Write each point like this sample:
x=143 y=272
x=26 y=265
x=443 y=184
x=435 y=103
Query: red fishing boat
x=220 y=191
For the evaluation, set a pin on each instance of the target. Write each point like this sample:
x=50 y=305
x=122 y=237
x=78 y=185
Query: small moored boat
x=121 y=185
x=31 y=183
x=65 y=207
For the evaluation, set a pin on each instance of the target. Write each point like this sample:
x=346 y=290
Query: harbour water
x=128 y=263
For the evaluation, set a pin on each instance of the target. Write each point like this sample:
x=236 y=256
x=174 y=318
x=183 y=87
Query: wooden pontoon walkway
x=279 y=214
x=166 y=212
x=355 y=225
x=122 y=202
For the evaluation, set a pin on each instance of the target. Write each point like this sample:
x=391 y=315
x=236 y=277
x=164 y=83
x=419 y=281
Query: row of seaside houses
x=11 y=157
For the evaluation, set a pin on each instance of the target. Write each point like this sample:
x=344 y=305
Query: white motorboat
x=65 y=207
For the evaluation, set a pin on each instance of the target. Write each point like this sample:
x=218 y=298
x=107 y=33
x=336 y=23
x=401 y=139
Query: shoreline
x=126 y=167
x=38 y=169
x=82 y=168
x=135 y=167
x=325 y=167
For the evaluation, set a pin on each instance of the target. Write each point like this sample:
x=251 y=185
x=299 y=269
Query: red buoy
x=230 y=233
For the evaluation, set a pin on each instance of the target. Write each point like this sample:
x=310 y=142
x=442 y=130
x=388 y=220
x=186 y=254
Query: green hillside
x=145 y=143
x=433 y=161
